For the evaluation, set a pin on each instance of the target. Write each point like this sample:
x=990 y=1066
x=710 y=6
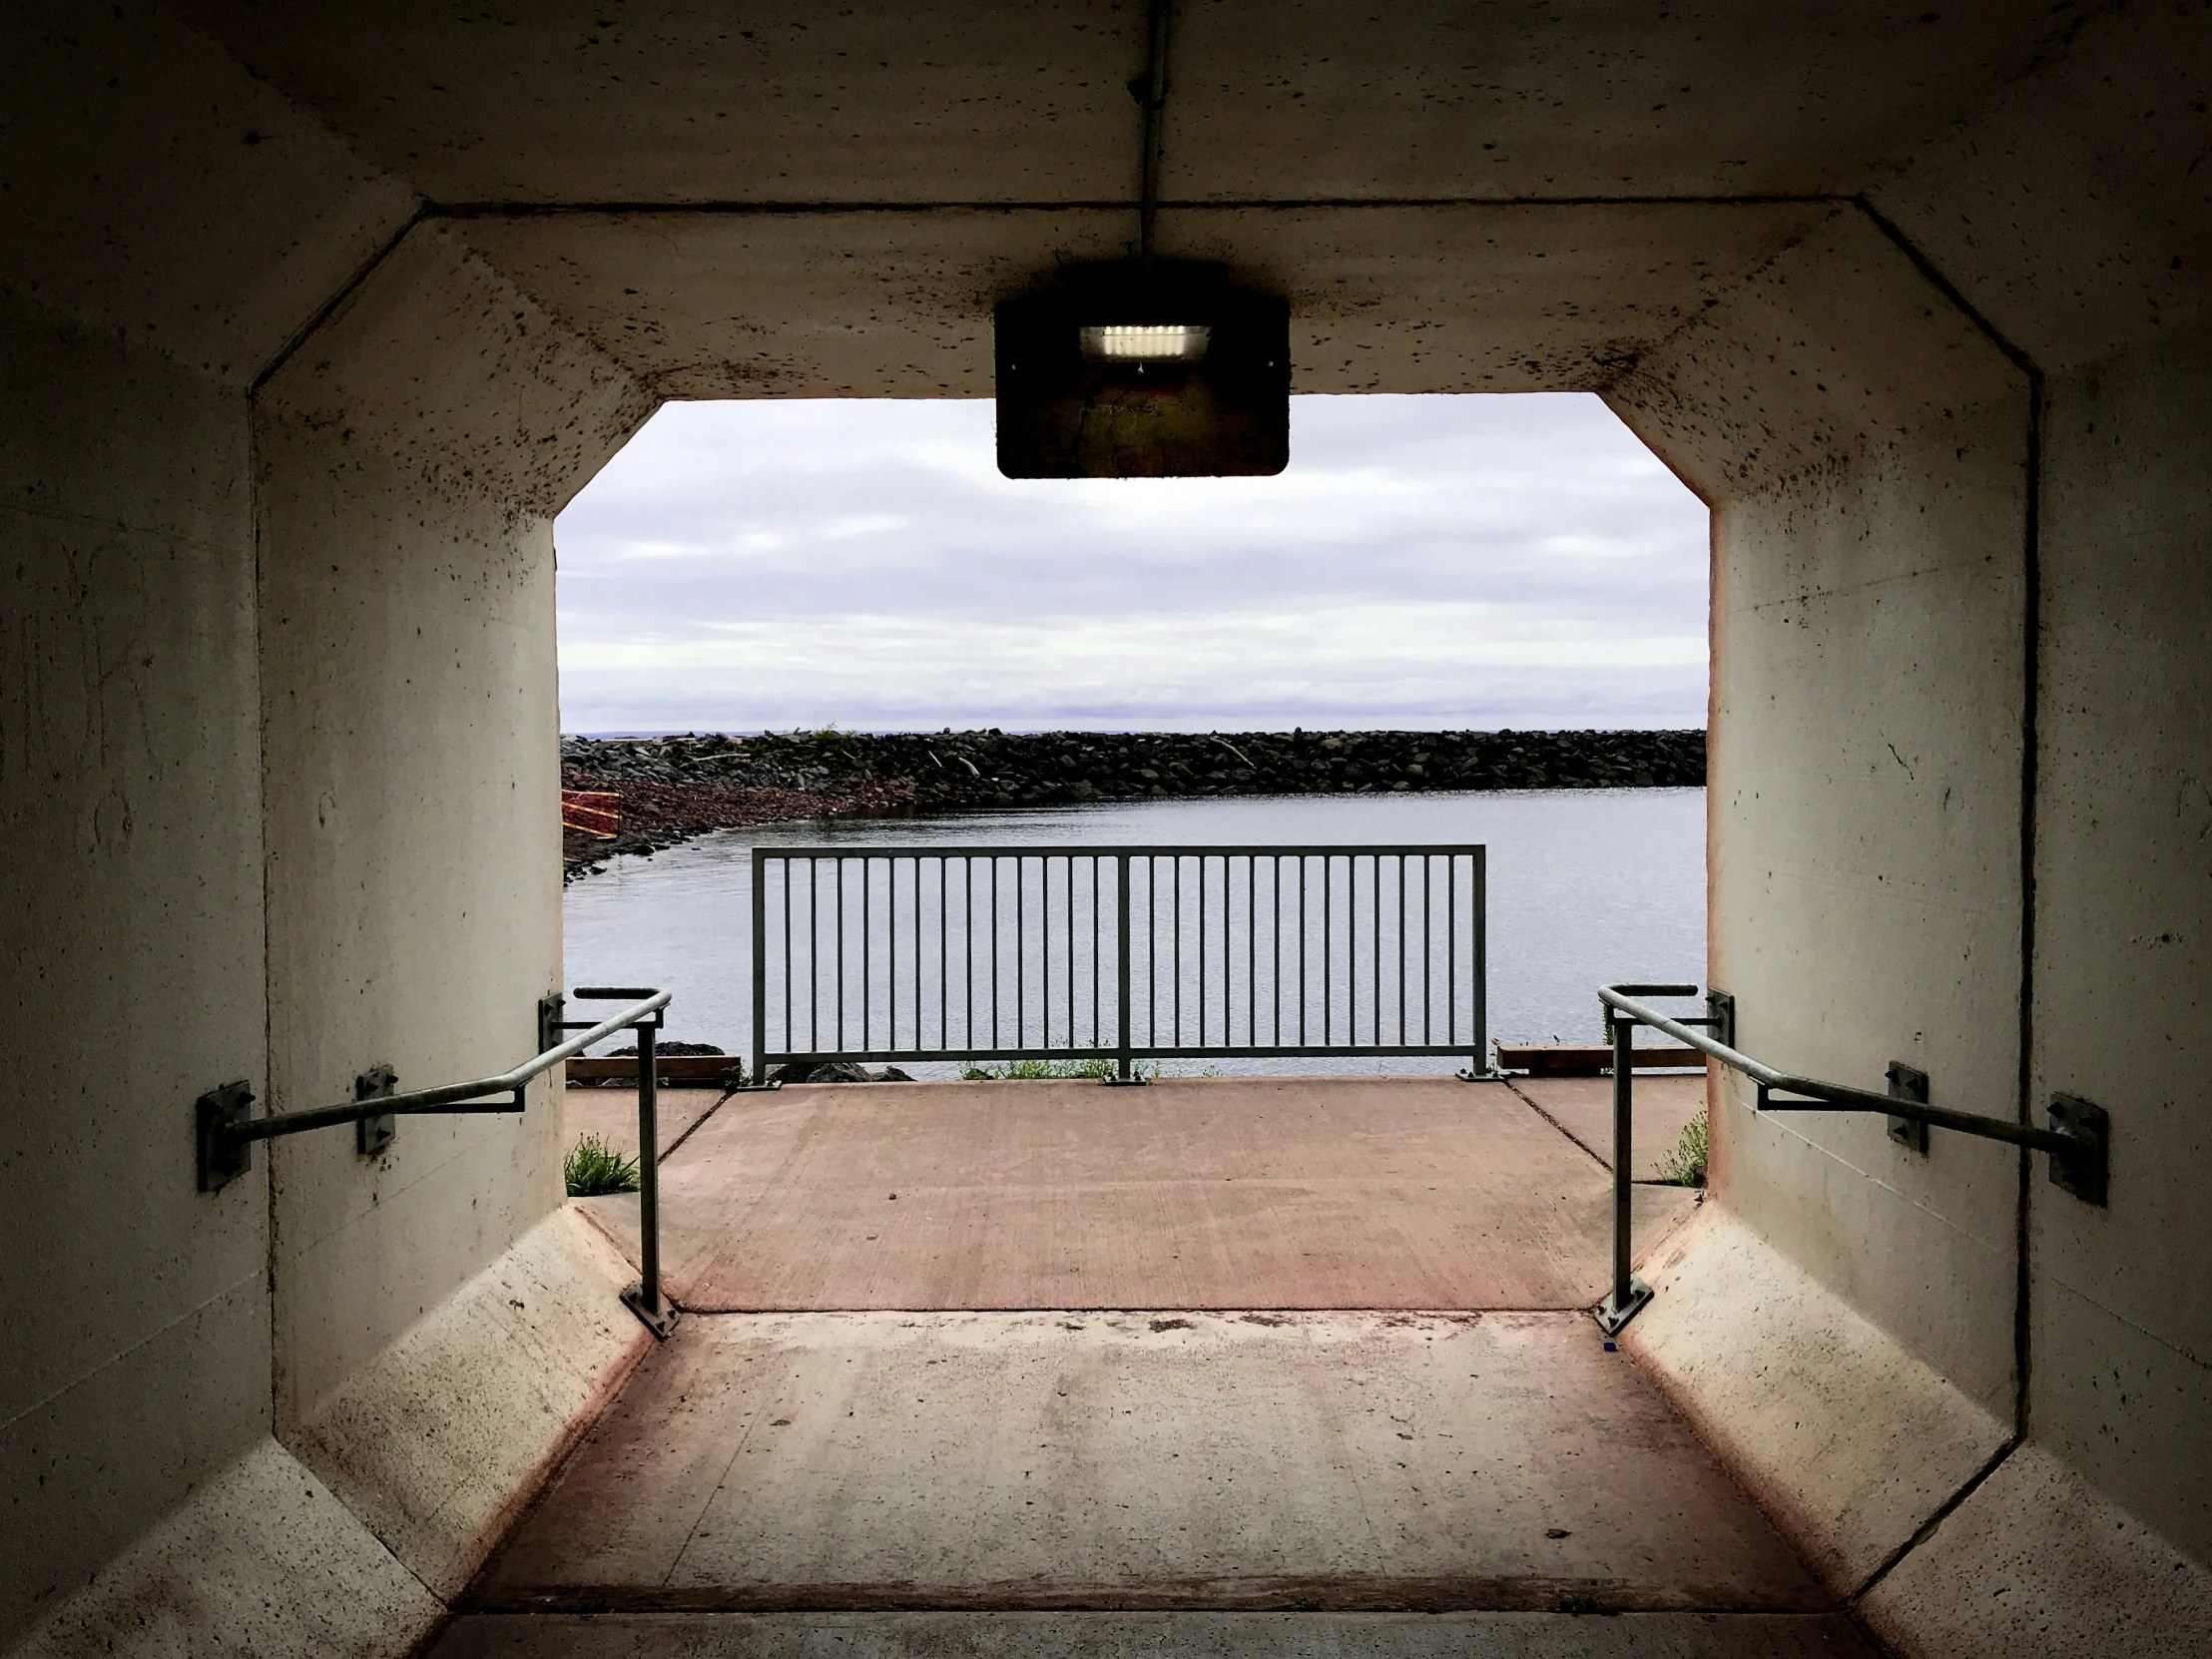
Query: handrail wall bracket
x=1909 y=1084
x=373 y=1135
x=2084 y=1170
x=224 y=1155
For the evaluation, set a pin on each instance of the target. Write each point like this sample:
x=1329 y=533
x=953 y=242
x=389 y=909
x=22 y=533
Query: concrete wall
x=2077 y=214
x=2121 y=1385
x=1874 y=685
x=1866 y=455
x=412 y=457
x=136 y=1310
x=145 y=277
x=223 y=615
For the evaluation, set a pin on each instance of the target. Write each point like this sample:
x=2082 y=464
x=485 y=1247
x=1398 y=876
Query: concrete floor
x=612 y=1115
x=1350 y=1405
x=1194 y=1193
x=1582 y=1108
x=1349 y=1462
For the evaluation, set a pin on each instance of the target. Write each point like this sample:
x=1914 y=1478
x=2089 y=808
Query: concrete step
x=1128 y=1635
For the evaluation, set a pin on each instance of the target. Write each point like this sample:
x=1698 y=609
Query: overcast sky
x=1425 y=562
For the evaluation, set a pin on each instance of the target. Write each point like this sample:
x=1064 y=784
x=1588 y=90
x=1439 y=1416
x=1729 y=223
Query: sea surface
x=1584 y=887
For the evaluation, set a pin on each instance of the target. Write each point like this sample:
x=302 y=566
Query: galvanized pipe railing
x=2076 y=1140
x=225 y=1128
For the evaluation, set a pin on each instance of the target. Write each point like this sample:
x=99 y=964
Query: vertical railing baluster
x=1479 y=881
x=760 y=964
x=1175 y=947
x=1122 y=953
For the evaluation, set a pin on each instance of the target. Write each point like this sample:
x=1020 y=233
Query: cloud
x=1424 y=562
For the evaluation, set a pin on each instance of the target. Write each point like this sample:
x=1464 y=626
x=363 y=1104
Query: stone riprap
x=675 y=787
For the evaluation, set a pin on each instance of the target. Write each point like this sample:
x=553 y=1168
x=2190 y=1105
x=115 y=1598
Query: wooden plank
x=1588 y=1059
x=671 y=1067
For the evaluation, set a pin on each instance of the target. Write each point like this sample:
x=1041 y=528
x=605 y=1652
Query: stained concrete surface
x=259 y=1558
x=443 y=1441
x=1197 y=1635
x=1583 y=1108
x=1349 y=1462
x=1195 y=1193
x=612 y=1115
x=1846 y=1438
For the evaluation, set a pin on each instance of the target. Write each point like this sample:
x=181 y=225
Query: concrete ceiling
x=800 y=200
x=622 y=101
x=1471 y=297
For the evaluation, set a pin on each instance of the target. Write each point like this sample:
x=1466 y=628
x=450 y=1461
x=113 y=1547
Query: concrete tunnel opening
x=313 y=323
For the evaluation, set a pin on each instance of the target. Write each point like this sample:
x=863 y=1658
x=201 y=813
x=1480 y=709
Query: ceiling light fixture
x=1146 y=342
x=1145 y=367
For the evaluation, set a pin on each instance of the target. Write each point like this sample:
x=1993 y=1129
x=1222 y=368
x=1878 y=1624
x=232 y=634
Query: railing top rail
x=1236 y=851
x=1627 y=999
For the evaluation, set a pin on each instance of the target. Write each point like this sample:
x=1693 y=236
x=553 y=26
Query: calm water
x=1585 y=885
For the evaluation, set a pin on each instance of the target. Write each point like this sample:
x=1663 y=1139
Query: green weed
x=592 y=1167
x=1045 y=1071
x=1685 y=1165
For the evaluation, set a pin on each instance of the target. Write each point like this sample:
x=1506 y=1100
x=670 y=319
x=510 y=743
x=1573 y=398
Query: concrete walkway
x=1343 y=1377
x=1192 y=1193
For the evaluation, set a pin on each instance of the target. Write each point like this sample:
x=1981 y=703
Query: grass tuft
x=593 y=1167
x=1685 y=1166
x=1045 y=1071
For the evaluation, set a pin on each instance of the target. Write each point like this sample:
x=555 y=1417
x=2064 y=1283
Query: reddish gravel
x=656 y=815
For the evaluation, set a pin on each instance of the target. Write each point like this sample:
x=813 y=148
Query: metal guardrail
x=225 y=1128
x=2077 y=1140
x=1121 y=953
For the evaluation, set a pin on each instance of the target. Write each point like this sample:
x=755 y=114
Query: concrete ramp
x=1222 y=1365
x=1317 y=1193
x=1058 y=1461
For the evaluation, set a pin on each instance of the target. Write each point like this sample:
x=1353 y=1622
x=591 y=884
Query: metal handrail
x=452 y=1096
x=2077 y=1140
x=227 y=1130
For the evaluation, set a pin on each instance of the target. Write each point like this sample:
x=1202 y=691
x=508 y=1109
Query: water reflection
x=1584 y=886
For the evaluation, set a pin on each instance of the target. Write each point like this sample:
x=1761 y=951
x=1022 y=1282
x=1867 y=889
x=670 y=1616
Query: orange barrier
x=578 y=812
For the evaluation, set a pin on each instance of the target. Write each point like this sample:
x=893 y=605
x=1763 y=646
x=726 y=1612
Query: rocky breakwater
x=675 y=787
